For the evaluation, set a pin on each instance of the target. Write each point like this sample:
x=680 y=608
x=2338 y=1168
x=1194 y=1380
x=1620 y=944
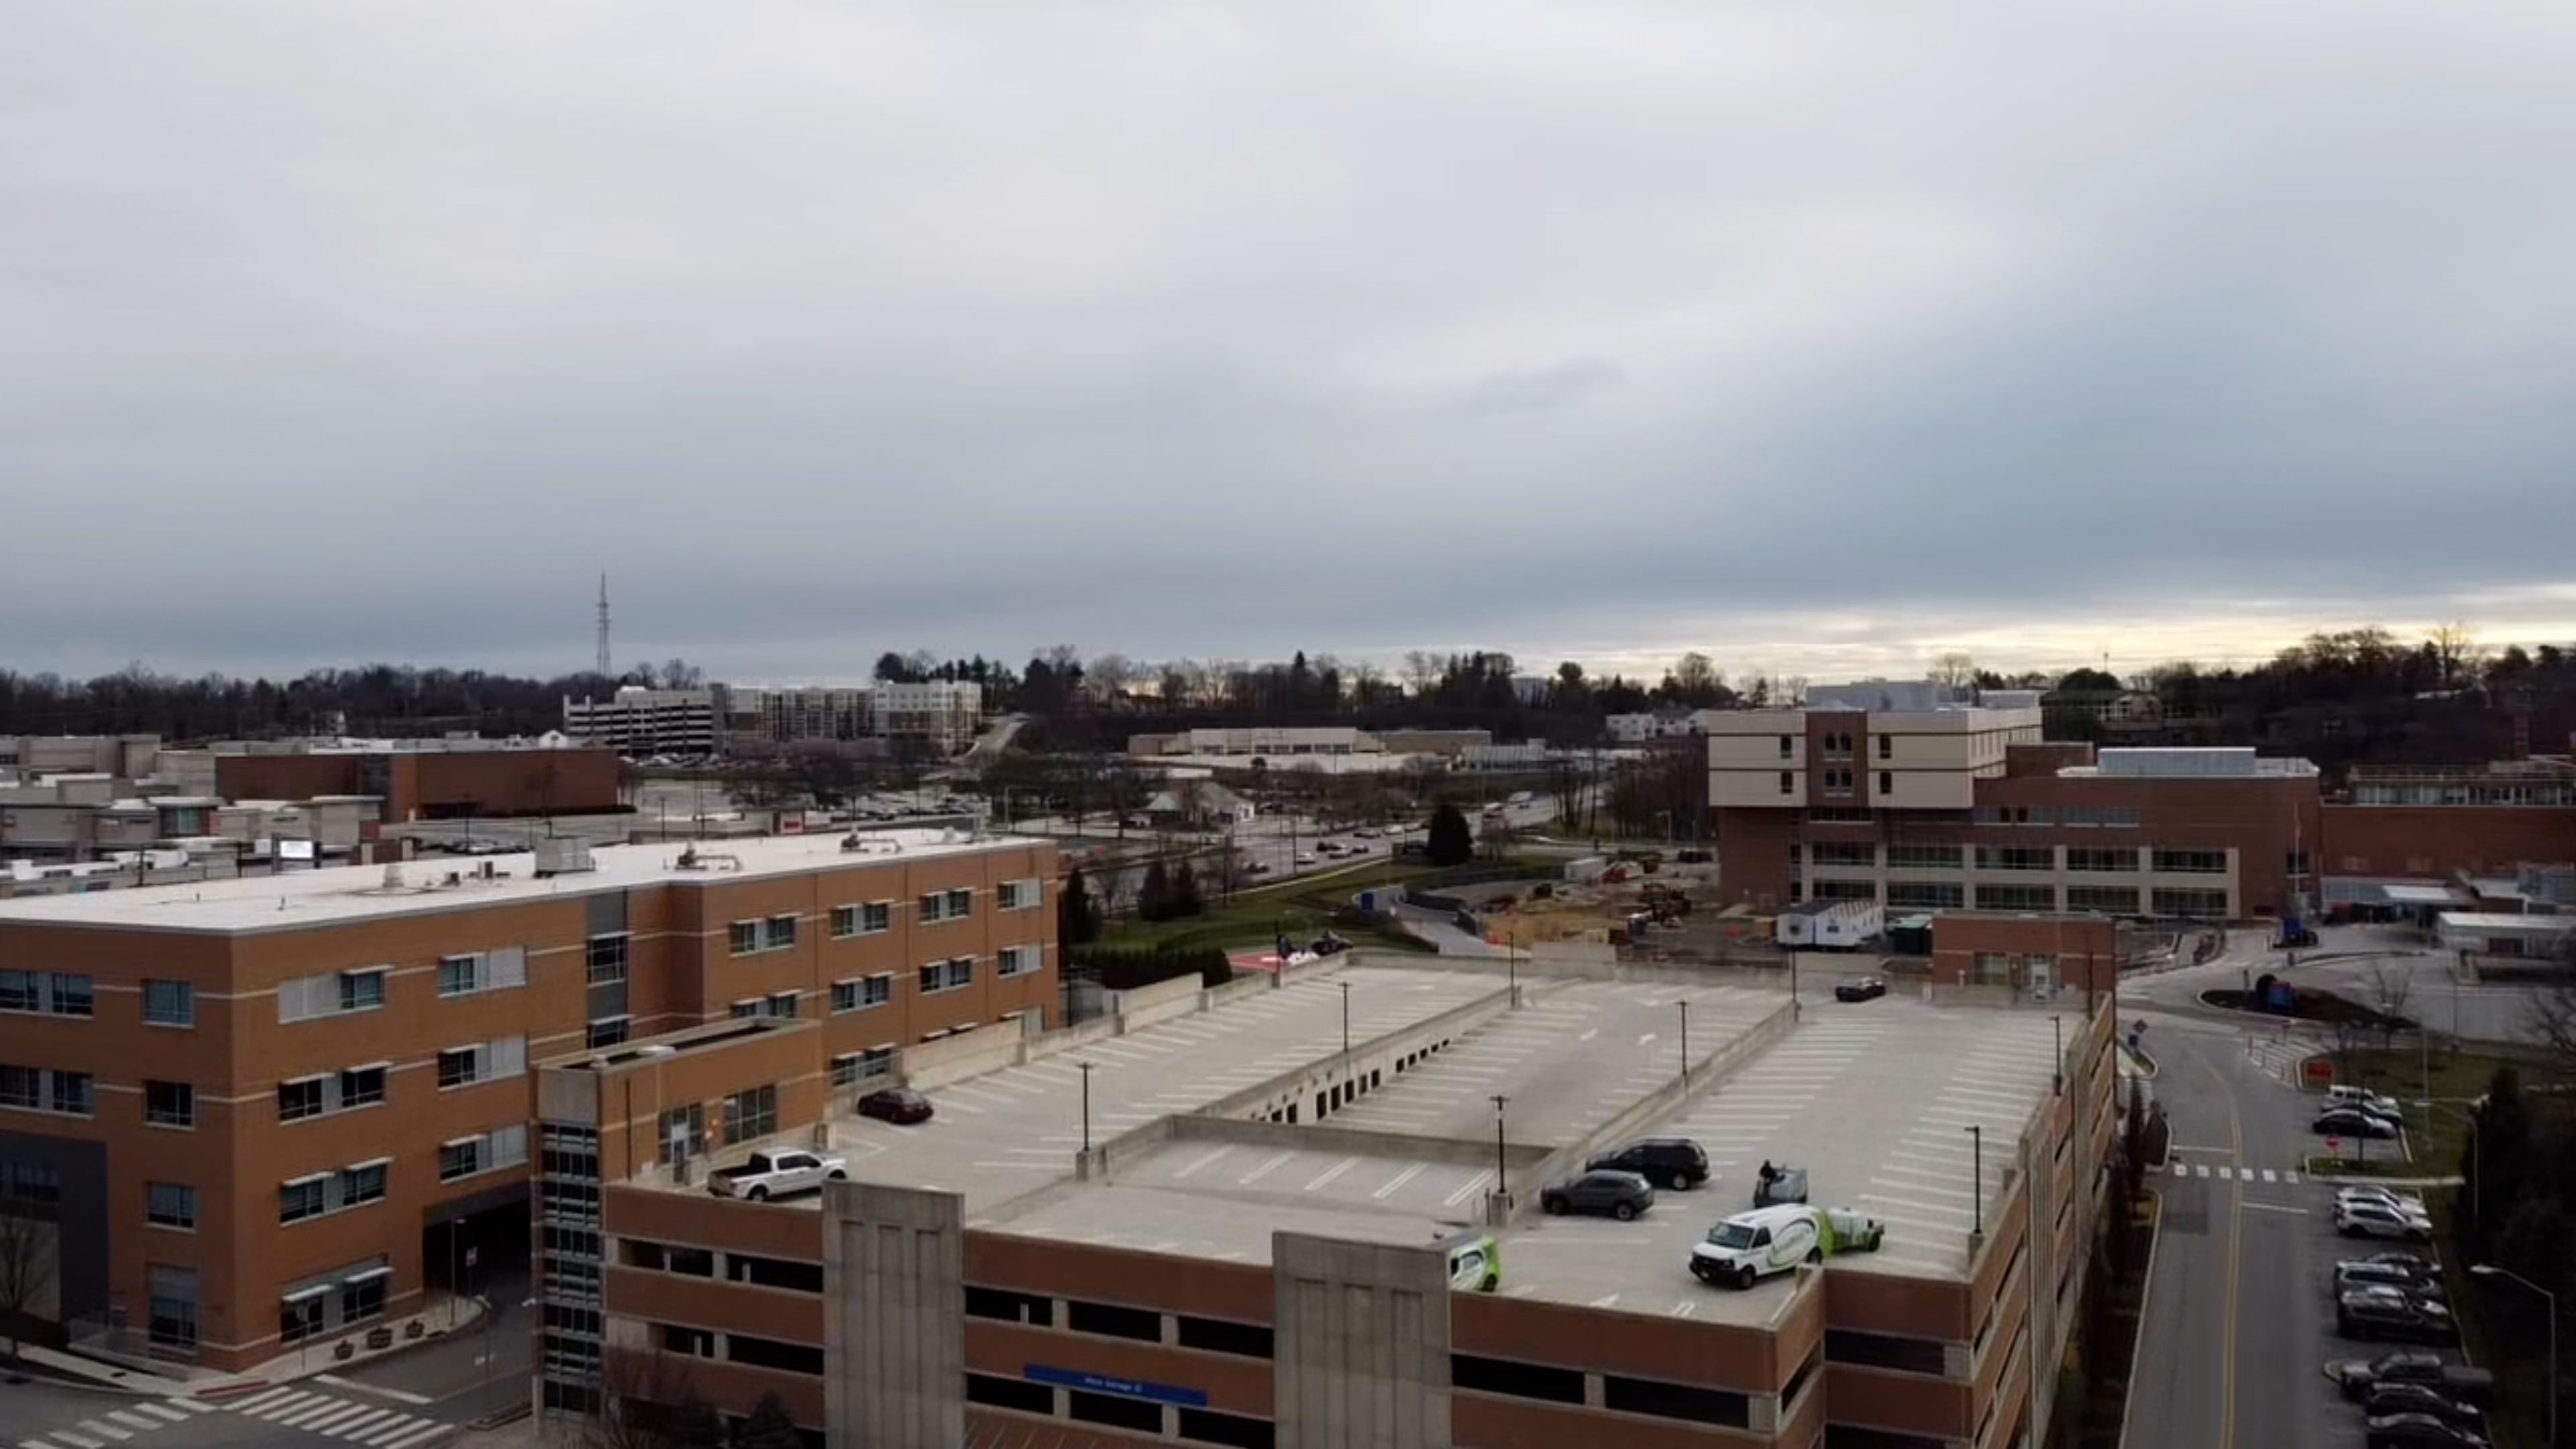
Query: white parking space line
x=77 y=1441
x=1468 y=1189
x=1191 y=1168
x=953 y=1104
x=1914 y=1205
x=164 y=1413
x=193 y=1406
x=1396 y=1183
x=1326 y=1177
x=1962 y=1194
x=261 y=1401
x=407 y=1441
x=133 y=1420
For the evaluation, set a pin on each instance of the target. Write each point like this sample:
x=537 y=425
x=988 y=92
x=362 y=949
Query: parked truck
x=1755 y=1245
x=765 y=1175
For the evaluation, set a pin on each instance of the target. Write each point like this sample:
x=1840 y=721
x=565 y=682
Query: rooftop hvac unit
x=561 y=855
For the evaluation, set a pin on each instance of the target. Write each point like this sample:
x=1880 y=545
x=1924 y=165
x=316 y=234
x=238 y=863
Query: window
x=1113 y=1321
x=845 y=922
x=301 y=1199
x=857 y=1067
x=605 y=1033
x=22 y=1087
x=2016 y=897
x=750 y=1115
x=1520 y=1380
x=460 y=1067
x=2016 y=857
x=1788 y=783
x=2191 y=862
x=1787 y=747
x=604 y=959
x=1990 y=968
x=1885 y=1350
x=362 y=1295
x=169 y=1003
x=2190 y=903
x=1844 y=890
x=362 y=1183
x=51 y=993
x=742 y=937
x=794 y=1358
x=2296 y=862
x=1886 y=782
x=1016 y=895
x=961 y=904
x=1923 y=857
x=1932 y=894
x=691 y=1342
x=362 y=1087
x=2101 y=861
x=1838 y=746
x=298 y=1100
x=1217 y=1335
x=172 y=1308
x=947 y=975
x=782 y=1003
x=461 y=1158
x=1016 y=961
x=1035 y=1309
x=170 y=1205
x=1837 y=852
x=745 y=1009
x=1886 y=746
x=362 y=990
x=781 y=933
x=1838 y=782
x=860 y=994
x=70 y=1095
x=483 y=971
x=170 y=1104
x=1142 y=1415
x=789 y=1273
x=876 y=918
x=1675 y=1401
x=2110 y=900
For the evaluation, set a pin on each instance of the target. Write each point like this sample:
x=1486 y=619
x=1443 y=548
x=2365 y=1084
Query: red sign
x=2334 y=1147
x=2320 y=1072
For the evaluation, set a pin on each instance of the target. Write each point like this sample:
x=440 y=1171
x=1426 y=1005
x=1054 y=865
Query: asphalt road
x=42 y=1415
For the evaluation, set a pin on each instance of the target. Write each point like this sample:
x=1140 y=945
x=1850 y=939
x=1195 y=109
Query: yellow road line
x=2235 y=1260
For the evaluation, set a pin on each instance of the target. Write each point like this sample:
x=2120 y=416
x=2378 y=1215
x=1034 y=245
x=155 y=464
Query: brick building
x=261 y=1111
x=1206 y=1221
x=439 y=781
x=1965 y=806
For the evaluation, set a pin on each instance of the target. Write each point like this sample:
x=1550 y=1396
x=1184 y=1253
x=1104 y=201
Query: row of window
x=2088 y=859
x=1952 y=895
x=794 y=1275
x=1620 y=1393
x=1144 y=1416
x=316 y=1194
x=768 y=1353
x=48 y=993
x=2112 y=816
x=872 y=918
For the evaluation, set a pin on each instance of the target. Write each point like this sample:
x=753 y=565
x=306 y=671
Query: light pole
x=1346 y=1018
x=2057 y=1063
x=1684 y=1004
x=1977 y=1166
x=1502 y=1185
x=1085 y=1068
x=2490 y=1270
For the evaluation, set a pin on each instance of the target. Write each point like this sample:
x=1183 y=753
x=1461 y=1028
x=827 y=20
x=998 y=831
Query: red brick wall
x=2080 y=943
x=2439 y=841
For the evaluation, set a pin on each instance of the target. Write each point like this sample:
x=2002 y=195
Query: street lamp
x=1502 y=1186
x=2057 y=1063
x=1346 y=1018
x=1085 y=1068
x=1684 y=1004
x=1977 y=1166
x=2490 y=1270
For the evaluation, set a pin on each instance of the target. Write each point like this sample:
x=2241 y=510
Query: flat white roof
x=2505 y=923
x=358 y=892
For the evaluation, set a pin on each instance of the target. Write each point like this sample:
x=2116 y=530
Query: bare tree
x=1421 y=671
x=2389 y=986
x=30 y=1254
x=1108 y=676
x=648 y=1401
x=2458 y=650
x=1953 y=668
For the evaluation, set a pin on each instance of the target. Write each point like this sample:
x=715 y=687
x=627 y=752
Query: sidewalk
x=436 y=1320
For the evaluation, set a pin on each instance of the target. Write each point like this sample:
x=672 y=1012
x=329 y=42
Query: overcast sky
x=1820 y=336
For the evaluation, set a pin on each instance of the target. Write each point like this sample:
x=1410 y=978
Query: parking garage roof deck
x=1874 y=1099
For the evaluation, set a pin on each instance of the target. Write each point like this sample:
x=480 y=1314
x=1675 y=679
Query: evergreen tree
x=1184 y=898
x=1077 y=917
x=1154 y=897
x=1450 y=842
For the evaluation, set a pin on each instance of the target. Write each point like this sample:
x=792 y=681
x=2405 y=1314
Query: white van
x=1773 y=1240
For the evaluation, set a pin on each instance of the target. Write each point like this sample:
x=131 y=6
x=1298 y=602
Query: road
x=40 y=1415
x=2354 y=961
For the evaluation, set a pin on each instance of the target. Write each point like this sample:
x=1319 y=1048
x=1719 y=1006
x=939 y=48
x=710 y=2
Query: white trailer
x=1843 y=925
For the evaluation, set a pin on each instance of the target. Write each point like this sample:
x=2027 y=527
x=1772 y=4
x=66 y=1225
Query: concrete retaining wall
x=967 y=1054
x=1374 y=1060
x=1161 y=1001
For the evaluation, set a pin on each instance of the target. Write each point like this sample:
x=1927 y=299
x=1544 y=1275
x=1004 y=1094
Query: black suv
x=1670 y=1162
x=2403 y=1320
x=2387 y=1399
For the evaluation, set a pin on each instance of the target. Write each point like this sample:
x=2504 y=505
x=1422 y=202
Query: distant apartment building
x=256 y=1115
x=1964 y=806
x=942 y=714
x=797 y=714
x=637 y=722
x=2423 y=838
x=1635 y=729
x=1259 y=741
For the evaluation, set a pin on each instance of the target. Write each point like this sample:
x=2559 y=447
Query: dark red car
x=900 y=1105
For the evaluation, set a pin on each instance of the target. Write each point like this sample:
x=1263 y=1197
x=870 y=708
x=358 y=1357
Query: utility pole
x=1977 y=1165
x=1502 y=1185
x=1684 y=1004
x=1085 y=1068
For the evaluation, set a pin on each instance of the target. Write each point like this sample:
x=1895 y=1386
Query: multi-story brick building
x=1259 y=1216
x=1966 y=806
x=260 y=1111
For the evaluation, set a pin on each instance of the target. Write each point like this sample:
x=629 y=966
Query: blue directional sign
x=1123 y=1388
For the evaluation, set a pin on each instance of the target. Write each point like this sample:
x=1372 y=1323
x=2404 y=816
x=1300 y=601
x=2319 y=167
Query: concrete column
x=1762 y=1413
x=894 y=1287
x=1959 y=1361
x=1360 y=1344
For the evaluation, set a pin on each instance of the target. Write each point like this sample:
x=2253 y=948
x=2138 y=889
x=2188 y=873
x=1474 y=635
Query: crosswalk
x=115 y=1426
x=338 y=1418
x=2285 y=1176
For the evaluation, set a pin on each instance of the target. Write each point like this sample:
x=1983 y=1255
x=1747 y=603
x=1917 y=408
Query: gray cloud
x=1194 y=329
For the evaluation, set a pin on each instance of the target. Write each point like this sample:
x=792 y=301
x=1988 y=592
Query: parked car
x=765 y=1175
x=2358 y=1376
x=2431 y=1303
x=2419 y=1431
x=1867 y=988
x=2388 y=1399
x=2367 y=1274
x=2404 y=1202
x=2346 y=1095
x=900 y=1105
x=1622 y=1195
x=2353 y=1122
x=1305 y=857
x=2395 y=1319
x=1672 y=1162
x=2377 y=1220
x=1365 y=832
x=2415 y=1263
x=1254 y=867
x=1328 y=944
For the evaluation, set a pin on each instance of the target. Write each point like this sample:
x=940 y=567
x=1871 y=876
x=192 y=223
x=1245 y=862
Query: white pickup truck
x=775 y=1174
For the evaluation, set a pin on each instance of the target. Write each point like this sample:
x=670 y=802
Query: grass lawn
x=1302 y=907
x=2435 y=1137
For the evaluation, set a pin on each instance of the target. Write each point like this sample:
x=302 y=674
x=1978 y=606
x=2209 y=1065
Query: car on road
x=2377 y=1220
x=2394 y=1318
x=2358 y=1376
x=1364 y=833
x=1867 y=988
x=1305 y=857
x=765 y=1175
x=900 y=1105
x=1677 y=1163
x=2353 y=1122
x=1621 y=1195
x=2389 y=1399
x=1254 y=867
x=2419 y=1431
